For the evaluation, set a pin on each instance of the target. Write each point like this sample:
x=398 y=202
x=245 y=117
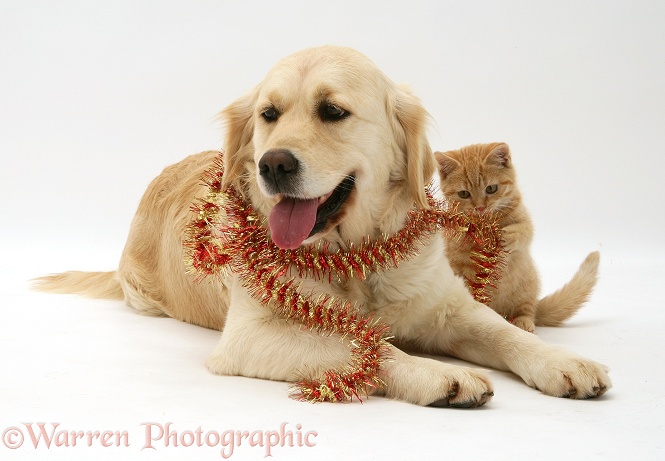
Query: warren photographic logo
x=157 y=436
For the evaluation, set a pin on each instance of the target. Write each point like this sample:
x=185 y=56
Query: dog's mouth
x=293 y=220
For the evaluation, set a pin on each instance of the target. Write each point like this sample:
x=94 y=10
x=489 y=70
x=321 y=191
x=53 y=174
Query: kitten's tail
x=91 y=284
x=554 y=309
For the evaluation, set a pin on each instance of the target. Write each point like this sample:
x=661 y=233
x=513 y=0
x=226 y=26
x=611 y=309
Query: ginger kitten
x=482 y=177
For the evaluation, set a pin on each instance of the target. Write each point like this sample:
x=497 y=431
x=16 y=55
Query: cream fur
x=429 y=309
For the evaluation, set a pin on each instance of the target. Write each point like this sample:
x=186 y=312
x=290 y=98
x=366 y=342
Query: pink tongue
x=291 y=221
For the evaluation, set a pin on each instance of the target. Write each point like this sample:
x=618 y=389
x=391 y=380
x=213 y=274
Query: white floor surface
x=95 y=365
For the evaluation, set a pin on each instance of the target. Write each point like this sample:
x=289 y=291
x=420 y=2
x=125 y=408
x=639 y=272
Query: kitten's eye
x=332 y=113
x=491 y=189
x=270 y=114
x=464 y=194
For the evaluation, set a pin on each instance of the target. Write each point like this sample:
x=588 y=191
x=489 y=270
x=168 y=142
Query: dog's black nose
x=278 y=167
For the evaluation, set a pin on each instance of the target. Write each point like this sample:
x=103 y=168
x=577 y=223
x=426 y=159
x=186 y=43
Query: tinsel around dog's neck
x=239 y=244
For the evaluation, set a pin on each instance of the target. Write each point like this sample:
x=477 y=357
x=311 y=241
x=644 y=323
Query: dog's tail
x=554 y=309
x=91 y=284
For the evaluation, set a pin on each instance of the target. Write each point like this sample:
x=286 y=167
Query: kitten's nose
x=480 y=208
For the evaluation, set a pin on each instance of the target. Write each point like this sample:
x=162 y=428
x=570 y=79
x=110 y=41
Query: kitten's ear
x=499 y=156
x=446 y=163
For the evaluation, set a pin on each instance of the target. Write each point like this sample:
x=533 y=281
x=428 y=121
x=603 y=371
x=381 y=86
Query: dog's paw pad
x=441 y=403
x=474 y=403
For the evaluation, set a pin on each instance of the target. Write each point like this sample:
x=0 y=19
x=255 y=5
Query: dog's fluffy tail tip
x=91 y=284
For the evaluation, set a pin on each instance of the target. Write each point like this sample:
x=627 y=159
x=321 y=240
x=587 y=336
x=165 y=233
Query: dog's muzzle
x=294 y=218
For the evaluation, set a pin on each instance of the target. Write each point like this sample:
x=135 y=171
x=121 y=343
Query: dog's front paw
x=428 y=382
x=464 y=388
x=574 y=378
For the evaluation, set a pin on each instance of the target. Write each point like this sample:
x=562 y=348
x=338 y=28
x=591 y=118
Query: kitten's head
x=480 y=176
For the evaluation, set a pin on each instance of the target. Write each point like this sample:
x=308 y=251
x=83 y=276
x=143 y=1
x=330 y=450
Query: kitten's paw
x=524 y=322
x=509 y=239
x=574 y=378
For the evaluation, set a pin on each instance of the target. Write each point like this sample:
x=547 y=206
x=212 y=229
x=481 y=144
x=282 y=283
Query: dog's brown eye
x=270 y=114
x=464 y=194
x=332 y=113
x=491 y=189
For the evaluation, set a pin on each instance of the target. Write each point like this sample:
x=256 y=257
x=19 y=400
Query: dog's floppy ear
x=409 y=120
x=238 y=118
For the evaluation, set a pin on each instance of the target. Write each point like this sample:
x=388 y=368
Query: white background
x=97 y=97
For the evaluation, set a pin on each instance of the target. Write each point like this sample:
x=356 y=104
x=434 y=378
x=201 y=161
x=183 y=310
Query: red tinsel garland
x=239 y=243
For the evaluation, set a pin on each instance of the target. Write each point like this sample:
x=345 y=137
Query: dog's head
x=328 y=147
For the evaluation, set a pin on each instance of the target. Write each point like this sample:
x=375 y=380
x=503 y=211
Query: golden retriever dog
x=328 y=138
